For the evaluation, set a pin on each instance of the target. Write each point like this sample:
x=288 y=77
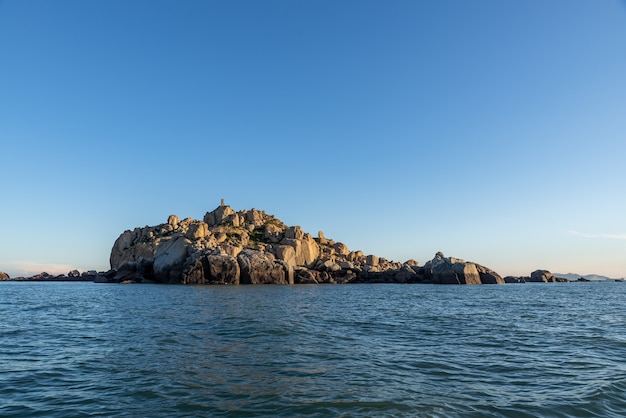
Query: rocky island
x=253 y=247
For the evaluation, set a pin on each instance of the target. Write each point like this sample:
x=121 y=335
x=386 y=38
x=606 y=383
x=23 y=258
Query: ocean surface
x=528 y=350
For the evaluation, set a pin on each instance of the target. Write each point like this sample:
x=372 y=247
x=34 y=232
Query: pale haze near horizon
x=492 y=131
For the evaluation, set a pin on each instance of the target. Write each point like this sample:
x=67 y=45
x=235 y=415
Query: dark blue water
x=84 y=349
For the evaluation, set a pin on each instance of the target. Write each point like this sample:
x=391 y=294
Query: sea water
x=527 y=350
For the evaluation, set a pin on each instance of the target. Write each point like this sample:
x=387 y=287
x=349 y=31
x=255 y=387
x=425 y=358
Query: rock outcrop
x=252 y=247
x=212 y=269
x=515 y=279
x=488 y=276
x=540 y=276
x=544 y=276
x=259 y=267
x=537 y=276
x=449 y=270
x=169 y=257
x=72 y=276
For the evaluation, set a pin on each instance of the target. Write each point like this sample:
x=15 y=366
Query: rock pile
x=72 y=276
x=449 y=270
x=252 y=247
x=537 y=276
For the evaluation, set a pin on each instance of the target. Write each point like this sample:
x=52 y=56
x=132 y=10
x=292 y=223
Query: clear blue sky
x=494 y=131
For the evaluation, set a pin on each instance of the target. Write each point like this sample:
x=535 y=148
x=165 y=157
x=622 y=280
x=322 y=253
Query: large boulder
x=219 y=215
x=197 y=230
x=169 y=259
x=259 y=267
x=193 y=272
x=272 y=233
x=541 y=276
x=341 y=248
x=222 y=269
x=295 y=232
x=371 y=260
x=306 y=249
x=232 y=250
x=305 y=276
x=212 y=269
x=328 y=266
x=255 y=217
x=449 y=270
x=488 y=276
x=173 y=221
x=287 y=253
x=132 y=245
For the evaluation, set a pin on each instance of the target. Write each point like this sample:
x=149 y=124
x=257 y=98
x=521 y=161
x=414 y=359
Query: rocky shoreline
x=111 y=276
x=72 y=276
x=252 y=247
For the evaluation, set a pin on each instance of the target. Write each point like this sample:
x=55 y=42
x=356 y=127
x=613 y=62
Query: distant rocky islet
x=252 y=247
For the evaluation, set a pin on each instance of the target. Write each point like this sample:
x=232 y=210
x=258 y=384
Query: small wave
x=324 y=351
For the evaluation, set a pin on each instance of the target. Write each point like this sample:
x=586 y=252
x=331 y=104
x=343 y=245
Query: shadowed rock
x=541 y=276
x=261 y=268
x=450 y=270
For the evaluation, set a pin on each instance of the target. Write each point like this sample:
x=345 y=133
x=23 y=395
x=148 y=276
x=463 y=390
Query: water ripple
x=82 y=349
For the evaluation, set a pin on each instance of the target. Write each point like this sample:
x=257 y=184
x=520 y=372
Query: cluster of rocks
x=72 y=276
x=537 y=276
x=252 y=247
